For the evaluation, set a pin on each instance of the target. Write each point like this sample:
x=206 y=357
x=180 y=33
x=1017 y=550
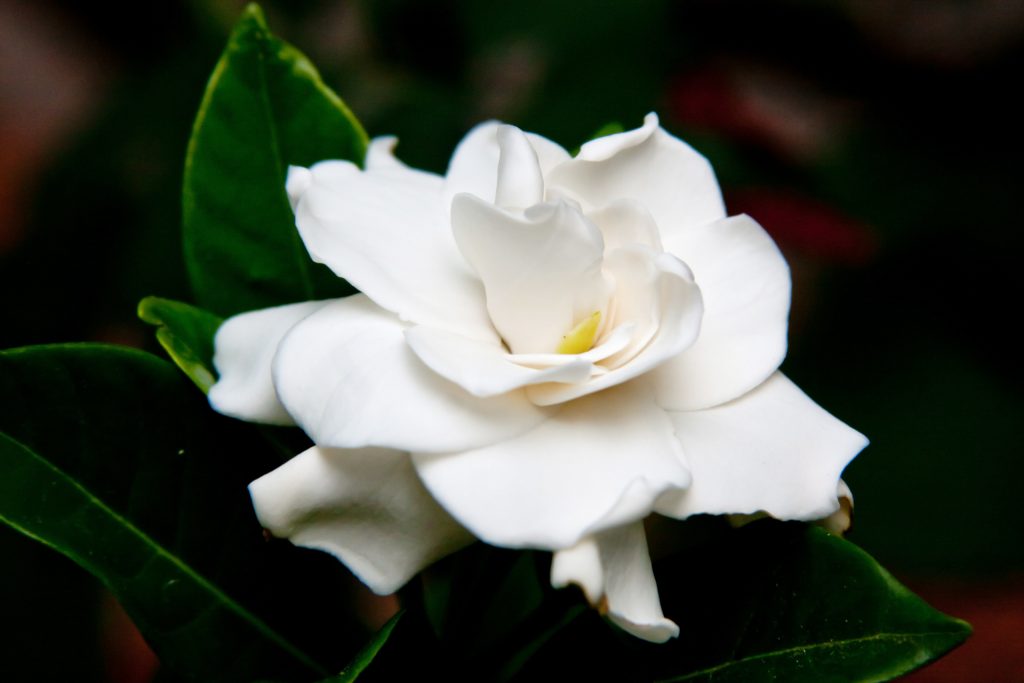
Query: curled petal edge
x=614 y=571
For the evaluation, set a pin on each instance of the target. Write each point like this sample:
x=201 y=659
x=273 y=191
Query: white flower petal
x=381 y=160
x=474 y=165
x=626 y=222
x=599 y=462
x=386 y=231
x=484 y=368
x=366 y=507
x=380 y=156
x=244 y=349
x=541 y=270
x=350 y=380
x=580 y=565
x=616 y=566
x=296 y=183
x=772 y=450
x=520 y=182
x=673 y=181
x=746 y=287
x=656 y=293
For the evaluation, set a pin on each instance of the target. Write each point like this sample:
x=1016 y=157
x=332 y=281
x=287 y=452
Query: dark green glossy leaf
x=478 y=615
x=538 y=639
x=821 y=610
x=159 y=590
x=186 y=333
x=770 y=602
x=265 y=108
x=367 y=654
x=482 y=585
x=110 y=457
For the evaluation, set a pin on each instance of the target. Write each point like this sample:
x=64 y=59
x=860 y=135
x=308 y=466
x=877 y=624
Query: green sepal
x=186 y=333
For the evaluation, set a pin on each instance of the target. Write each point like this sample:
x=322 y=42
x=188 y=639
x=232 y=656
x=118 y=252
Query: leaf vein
x=157 y=551
x=807 y=648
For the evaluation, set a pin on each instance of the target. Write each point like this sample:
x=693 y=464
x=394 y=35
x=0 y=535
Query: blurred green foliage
x=912 y=346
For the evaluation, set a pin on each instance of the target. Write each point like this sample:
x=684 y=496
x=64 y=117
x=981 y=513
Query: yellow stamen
x=581 y=338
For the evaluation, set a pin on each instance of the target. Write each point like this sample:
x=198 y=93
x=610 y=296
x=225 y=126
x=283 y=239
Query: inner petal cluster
x=567 y=287
x=541 y=268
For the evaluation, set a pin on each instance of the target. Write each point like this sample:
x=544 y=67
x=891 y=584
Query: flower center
x=580 y=339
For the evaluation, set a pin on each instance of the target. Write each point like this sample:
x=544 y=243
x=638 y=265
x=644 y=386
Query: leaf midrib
x=810 y=648
x=159 y=550
x=298 y=248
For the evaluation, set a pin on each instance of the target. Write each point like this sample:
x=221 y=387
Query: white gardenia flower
x=546 y=350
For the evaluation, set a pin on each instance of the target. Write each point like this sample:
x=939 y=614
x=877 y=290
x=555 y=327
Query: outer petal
x=474 y=165
x=484 y=368
x=350 y=380
x=580 y=565
x=746 y=287
x=662 y=172
x=380 y=158
x=614 y=566
x=244 y=348
x=655 y=293
x=366 y=507
x=599 y=463
x=386 y=231
x=837 y=523
x=541 y=270
x=773 y=450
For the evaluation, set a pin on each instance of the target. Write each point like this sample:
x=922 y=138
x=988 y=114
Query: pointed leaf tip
x=265 y=109
x=254 y=12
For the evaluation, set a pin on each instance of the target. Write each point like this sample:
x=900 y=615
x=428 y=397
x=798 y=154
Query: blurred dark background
x=878 y=142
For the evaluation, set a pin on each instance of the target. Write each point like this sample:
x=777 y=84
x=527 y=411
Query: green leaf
x=367 y=654
x=823 y=611
x=111 y=458
x=481 y=615
x=610 y=128
x=538 y=639
x=265 y=108
x=133 y=565
x=770 y=602
x=186 y=333
x=478 y=596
